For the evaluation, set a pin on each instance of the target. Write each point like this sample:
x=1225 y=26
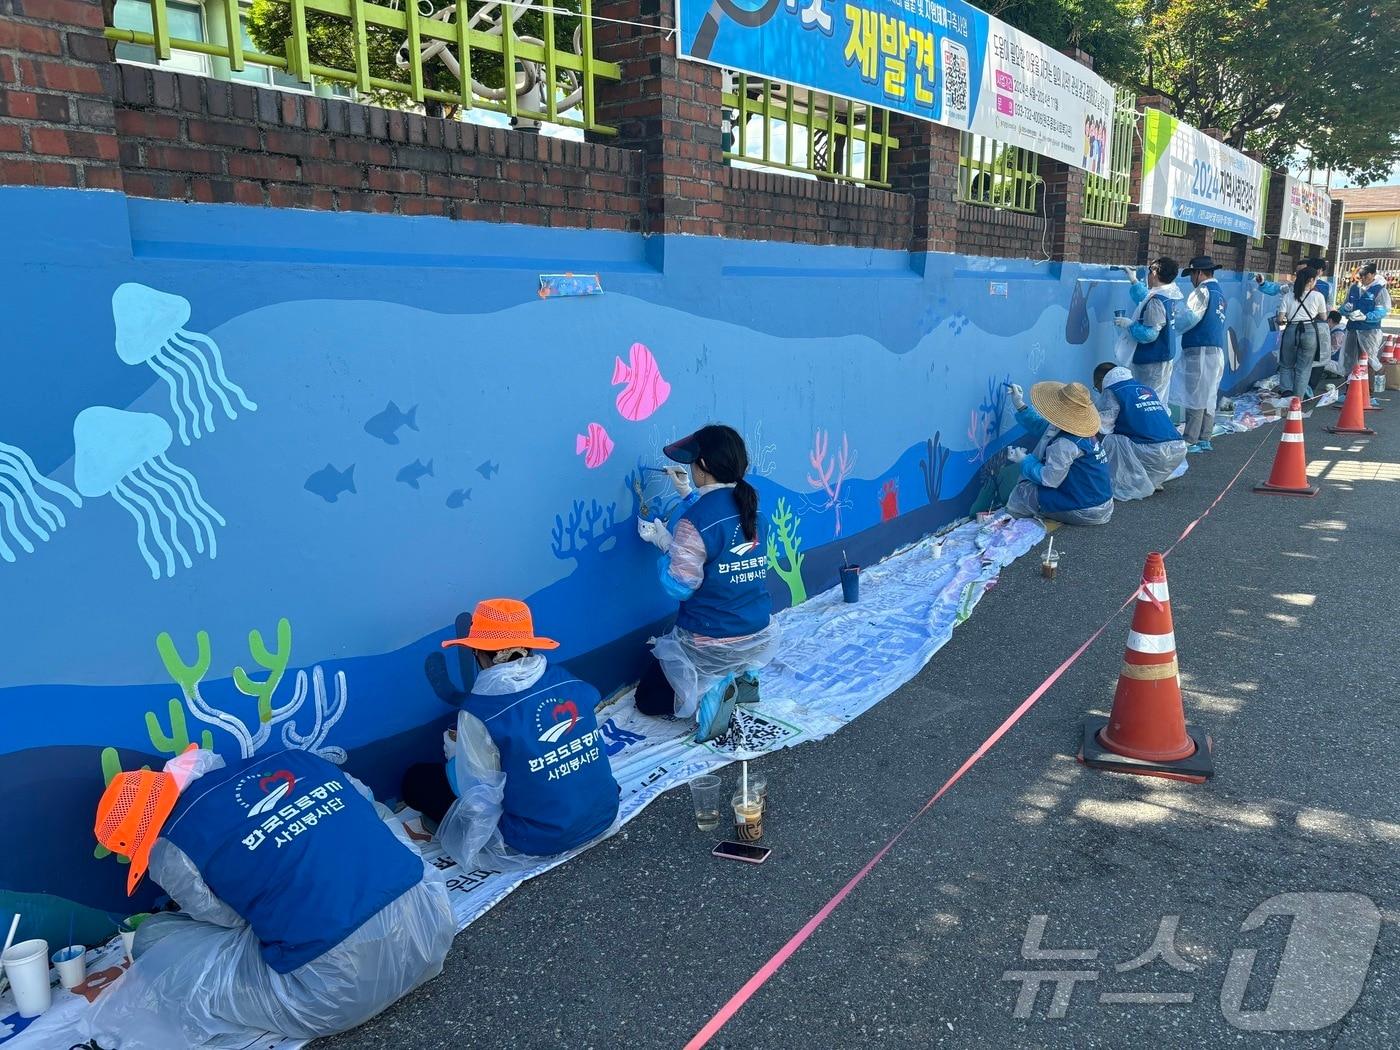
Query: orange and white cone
x=1290 y=474
x=1146 y=731
x=1353 y=418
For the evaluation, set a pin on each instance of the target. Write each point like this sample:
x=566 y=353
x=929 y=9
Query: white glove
x=1131 y=272
x=449 y=744
x=1015 y=454
x=655 y=533
x=1123 y=322
x=680 y=478
x=1357 y=315
x=1018 y=396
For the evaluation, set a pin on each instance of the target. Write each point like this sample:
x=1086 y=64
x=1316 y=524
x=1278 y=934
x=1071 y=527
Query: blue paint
x=886 y=349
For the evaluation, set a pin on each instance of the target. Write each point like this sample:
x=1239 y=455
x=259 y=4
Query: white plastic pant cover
x=1137 y=470
x=1195 y=383
x=695 y=665
x=1156 y=376
x=1024 y=502
x=197 y=984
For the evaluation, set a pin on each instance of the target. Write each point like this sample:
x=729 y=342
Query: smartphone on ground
x=744 y=851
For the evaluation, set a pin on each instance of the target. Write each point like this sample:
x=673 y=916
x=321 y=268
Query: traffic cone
x=1290 y=474
x=1353 y=417
x=1146 y=731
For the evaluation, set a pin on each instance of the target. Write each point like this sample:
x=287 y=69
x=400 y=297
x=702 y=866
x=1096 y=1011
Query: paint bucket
x=71 y=964
x=850 y=584
x=27 y=966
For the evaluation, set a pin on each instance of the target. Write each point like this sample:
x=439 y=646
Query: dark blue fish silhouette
x=385 y=426
x=457 y=497
x=488 y=468
x=410 y=474
x=329 y=483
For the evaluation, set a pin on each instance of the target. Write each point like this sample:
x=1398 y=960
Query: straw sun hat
x=1068 y=406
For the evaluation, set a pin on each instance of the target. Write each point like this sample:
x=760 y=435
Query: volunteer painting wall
x=254 y=463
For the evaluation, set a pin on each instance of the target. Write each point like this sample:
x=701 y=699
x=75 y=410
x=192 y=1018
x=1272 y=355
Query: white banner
x=1034 y=97
x=1188 y=175
x=1307 y=213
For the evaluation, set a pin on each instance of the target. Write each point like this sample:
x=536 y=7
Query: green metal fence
x=777 y=125
x=542 y=80
x=1106 y=197
x=1223 y=237
x=997 y=175
x=1174 y=227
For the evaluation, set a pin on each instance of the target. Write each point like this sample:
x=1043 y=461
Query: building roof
x=1369 y=198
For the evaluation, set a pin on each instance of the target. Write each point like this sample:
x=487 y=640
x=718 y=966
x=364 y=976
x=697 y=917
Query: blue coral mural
x=217 y=523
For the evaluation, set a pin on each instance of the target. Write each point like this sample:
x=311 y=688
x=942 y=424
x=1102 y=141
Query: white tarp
x=836 y=662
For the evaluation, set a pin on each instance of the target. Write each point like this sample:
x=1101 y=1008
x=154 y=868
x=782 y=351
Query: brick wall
x=992 y=231
x=812 y=212
x=1116 y=247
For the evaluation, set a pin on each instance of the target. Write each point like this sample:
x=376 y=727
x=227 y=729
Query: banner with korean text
x=1188 y=175
x=947 y=62
x=1307 y=213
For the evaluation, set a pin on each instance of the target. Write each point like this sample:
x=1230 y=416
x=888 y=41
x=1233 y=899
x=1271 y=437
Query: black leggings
x=654 y=693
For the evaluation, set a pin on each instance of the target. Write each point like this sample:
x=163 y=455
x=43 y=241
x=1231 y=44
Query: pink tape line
x=765 y=972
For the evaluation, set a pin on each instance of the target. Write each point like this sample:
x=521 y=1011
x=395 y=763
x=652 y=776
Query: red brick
x=102 y=178
x=395 y=181
x=174 y=158
x=58 y=76
x=262 y=166
x=36 y=40
x=298 y=144
x=321 y=174
x=147 y=125
x=49 y=142
x=65 y=12
x=236 y=136
x=249 y=193
x=11 y=141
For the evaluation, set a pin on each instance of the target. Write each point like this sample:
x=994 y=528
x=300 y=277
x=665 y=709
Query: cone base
x=1349 y=430
x=1285 y=490
x=1194 y=769
x=1340 y=404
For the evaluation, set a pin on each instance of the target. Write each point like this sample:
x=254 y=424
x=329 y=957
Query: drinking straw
x=1051 y=548
x=11 y=938
x=71 y=916
x=746 y=784
x=845 y=561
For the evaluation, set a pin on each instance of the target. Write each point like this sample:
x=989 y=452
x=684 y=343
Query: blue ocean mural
x=255 y=463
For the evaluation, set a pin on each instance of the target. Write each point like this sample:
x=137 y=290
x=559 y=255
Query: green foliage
x=275 y=664
x=784 y=529
x=1293 y=81
x=1107 y=29
x=331 y=43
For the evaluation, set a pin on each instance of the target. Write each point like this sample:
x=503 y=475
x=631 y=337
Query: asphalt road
x=1286 y=622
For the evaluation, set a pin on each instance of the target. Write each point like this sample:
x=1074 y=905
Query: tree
x=1282 y=77
x=330 y=41
x=1109 y=30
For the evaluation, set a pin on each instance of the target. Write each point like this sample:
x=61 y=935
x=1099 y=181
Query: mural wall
x=254 y=463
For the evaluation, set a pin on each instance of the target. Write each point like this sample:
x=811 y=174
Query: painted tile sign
x=1307 y=212
x=947 y=62
x=1188 y=175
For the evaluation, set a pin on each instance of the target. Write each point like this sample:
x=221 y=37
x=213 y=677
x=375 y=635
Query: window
x=262 y=74
x=1354 y=234
x=186 y=23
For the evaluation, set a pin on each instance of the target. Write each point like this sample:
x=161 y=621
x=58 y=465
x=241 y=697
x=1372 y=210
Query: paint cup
x=71 y=964
x=748 y=818
x=704 y=792
x=27 y=966
x=1049 y=564
x=1120 y=313
x=850 y=584
x=128 y=940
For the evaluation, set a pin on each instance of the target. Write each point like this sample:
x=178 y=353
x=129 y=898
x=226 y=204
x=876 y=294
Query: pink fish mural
x=646 y=391
x=595 y=446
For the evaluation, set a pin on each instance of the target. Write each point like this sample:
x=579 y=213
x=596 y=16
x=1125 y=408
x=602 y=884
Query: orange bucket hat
x=502 y=623
x=131 y=814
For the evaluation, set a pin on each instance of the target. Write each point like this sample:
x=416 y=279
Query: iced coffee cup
x=748 y=818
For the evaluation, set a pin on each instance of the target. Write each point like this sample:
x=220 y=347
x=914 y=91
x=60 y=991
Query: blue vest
x=1210 y=331
x=1088 y=483
x=732 y=600
x=1163 y=348
x=287 y=842
x=1365 y=301
x=560 y=790
x=1141 y=415
x=1325 y=287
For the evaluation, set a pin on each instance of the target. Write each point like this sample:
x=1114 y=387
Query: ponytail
x=1301 y=279
x=747 y=497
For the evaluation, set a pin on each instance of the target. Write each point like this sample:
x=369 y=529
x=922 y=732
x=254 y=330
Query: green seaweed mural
x=785 y=526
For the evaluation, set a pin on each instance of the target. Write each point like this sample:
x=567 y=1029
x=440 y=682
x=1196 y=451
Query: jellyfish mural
x=151 y=328
x=20 y=482
x=122 y=455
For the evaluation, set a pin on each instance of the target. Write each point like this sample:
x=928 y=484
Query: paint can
x=71 y=964
x=850 y=584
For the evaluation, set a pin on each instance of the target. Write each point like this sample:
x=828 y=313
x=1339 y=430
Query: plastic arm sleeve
x=1032 y=422
x=1032 y=470
x=1271 y=288
x=1059 y=457
x=480 y=787
x=1108 y=414
x=179 y=877
x=1193 y=309
x=1138 y=291
x=682 y=569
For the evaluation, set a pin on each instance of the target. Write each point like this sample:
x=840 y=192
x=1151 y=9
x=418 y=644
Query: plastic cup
x=705 y=792
x=748 y=817
x=71 y=964
x=27 y=966
x=129 y=941
x=758 y=788
x=1120 y=313
x=1048 y=566
x=850 y=584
